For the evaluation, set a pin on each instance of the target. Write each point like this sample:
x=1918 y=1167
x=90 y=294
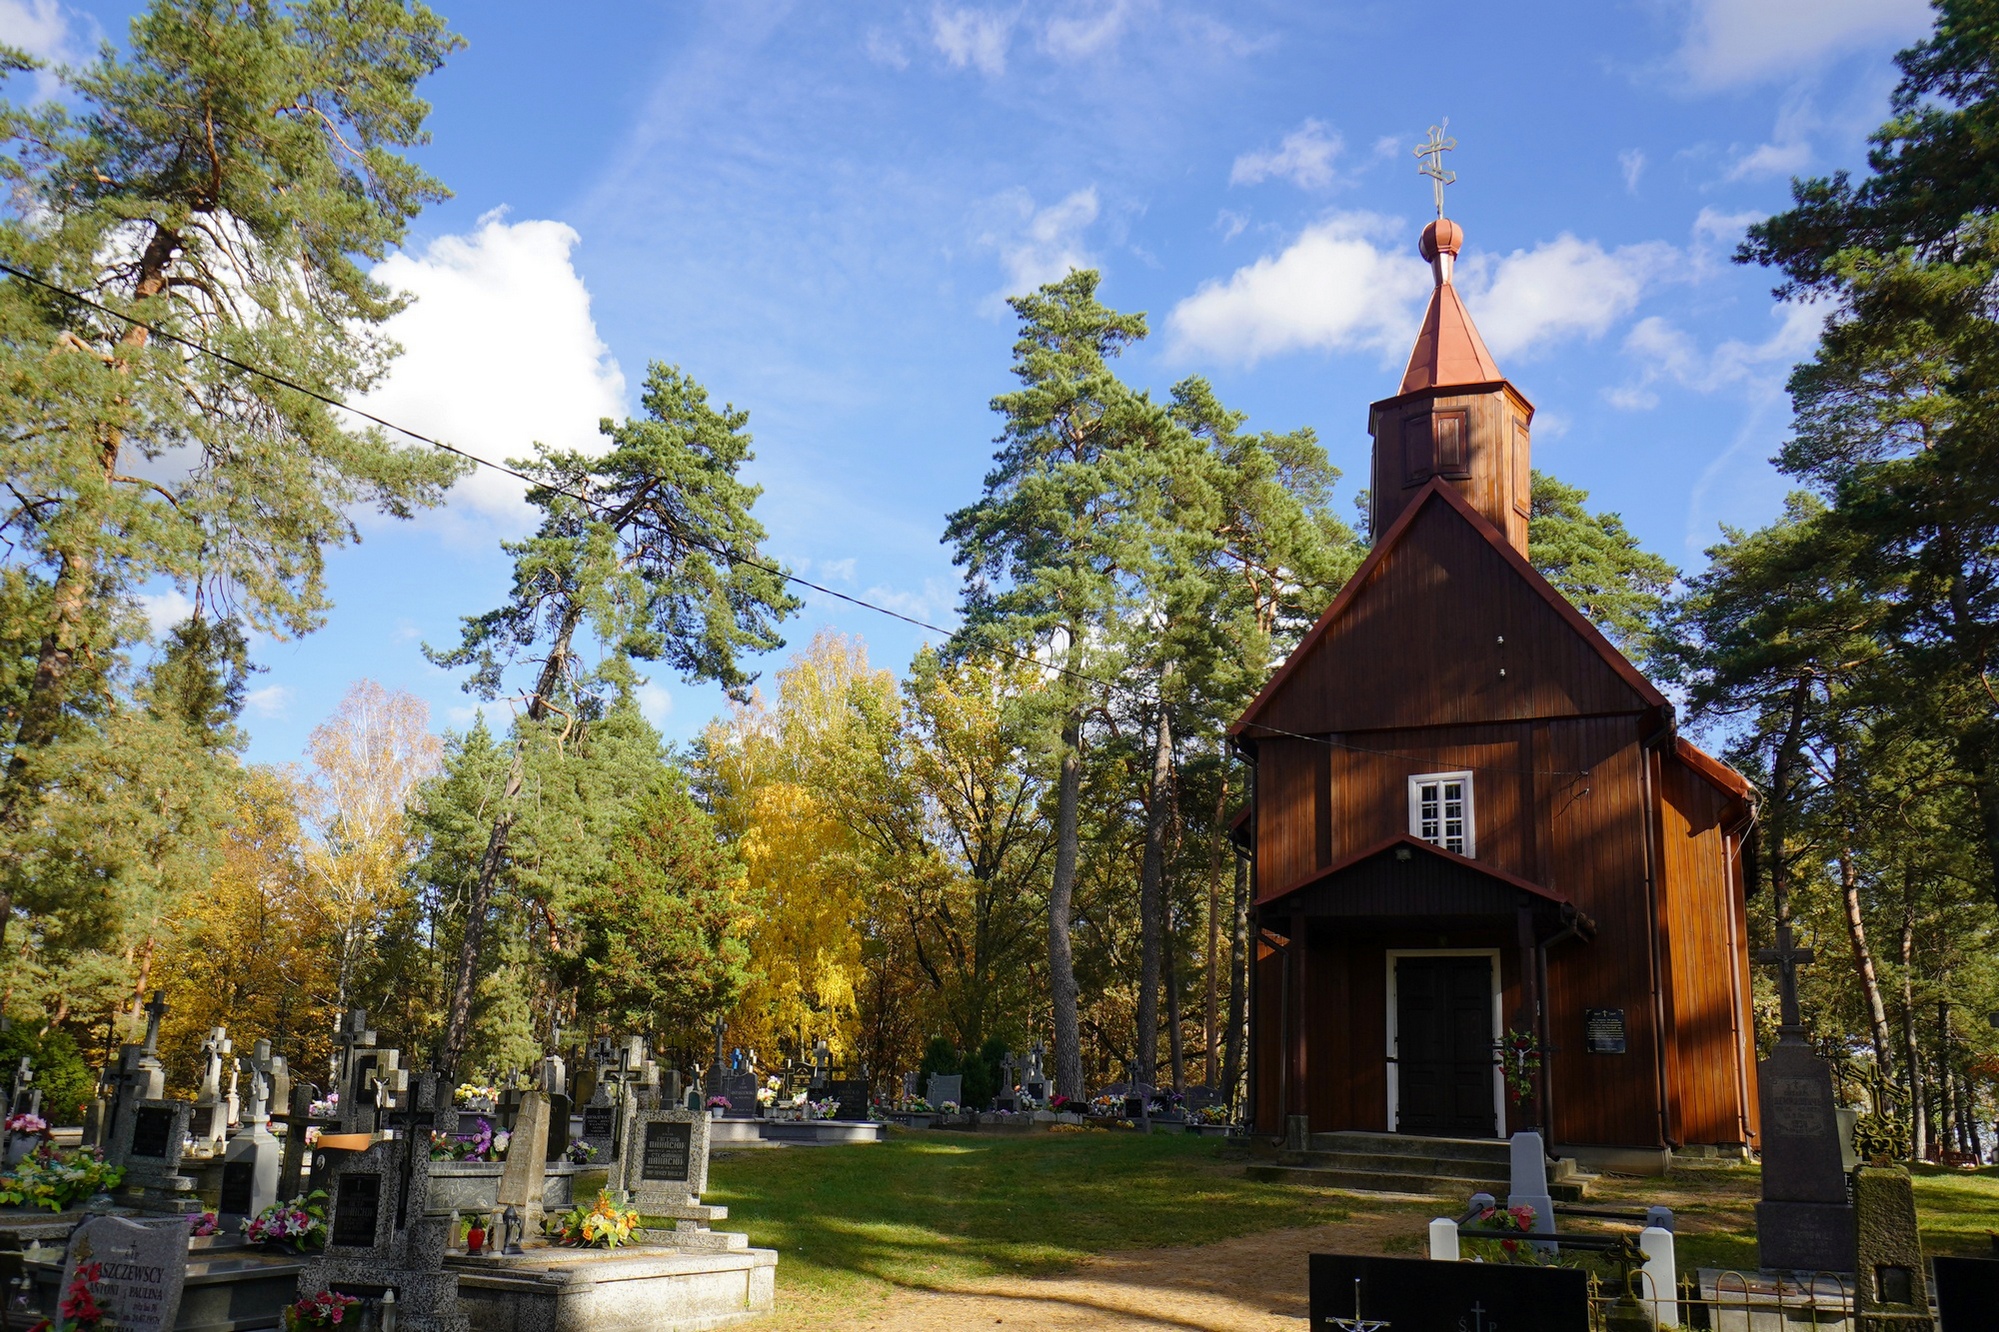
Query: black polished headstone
x=558 y=1126
x=357 y=1205
x=1967 y=1294
x=598 y=1121
x=1416 y=1295
x=852 y=1094
x=239 y=1180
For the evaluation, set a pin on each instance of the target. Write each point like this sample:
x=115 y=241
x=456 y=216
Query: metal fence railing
x=1739 y=1302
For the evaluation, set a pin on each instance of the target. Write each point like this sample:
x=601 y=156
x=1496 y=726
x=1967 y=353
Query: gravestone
x=151 y=1143
x=822 y=1065
x=140 y=1077
x=1967 y=1294
x=1417 y=1295
x=1008 y=1097
x=1035 y=1083
x=524 y=1176
x=852 y=1094
x=1529 y=1182
x=741 y=1091
x=379 y=1238
x=208 y=1118
x=142 y=1266
x=1804 y=1222
x=1888 y=1273
x=298 y=1119
x=946 y=1087
x=253 y=1161
x=600 y=1122
x=24 y=1098
x=664 y=1170
x=233 y=1103
x=910 y=1089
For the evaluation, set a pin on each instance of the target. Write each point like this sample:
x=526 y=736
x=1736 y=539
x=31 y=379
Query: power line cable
x=722 y=552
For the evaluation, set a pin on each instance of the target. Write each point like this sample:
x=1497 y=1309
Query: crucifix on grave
x=208 y=1123
x=1787 y=957
x=1804 y=1221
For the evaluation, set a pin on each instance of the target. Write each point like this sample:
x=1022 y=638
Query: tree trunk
x=1176 y=1042
x=1232 y=1046
x=1211 y=960
x=1863 y=959
x=1062 y=897
x=1152 y=894
x=1911 y=1056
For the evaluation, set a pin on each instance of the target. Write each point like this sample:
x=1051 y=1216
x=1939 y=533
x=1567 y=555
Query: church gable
x=1446 y=624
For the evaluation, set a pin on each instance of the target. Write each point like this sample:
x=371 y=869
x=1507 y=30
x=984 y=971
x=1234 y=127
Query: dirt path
x=1251 y=1284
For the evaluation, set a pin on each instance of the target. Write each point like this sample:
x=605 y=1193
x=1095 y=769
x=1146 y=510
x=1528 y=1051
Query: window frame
x=1416 y=785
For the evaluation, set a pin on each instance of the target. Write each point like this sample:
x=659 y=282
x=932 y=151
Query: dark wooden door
x=1444 y=1047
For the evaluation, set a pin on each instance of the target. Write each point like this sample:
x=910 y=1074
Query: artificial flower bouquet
x=581 y=1153
x=298 y=1225
x=484 y=1143
x=52 y=1178
x=30 y=1124
x=1508 y=1222
x=79 y=1310
x=604 y=1224
x=721 y=1103
x=327 y=1309
x=475 y=1096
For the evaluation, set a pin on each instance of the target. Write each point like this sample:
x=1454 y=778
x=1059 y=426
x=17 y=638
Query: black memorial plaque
x=852 y=1094
x=1134 y=1107
x=1603 y=1030
x=357 y=1202
x=1416 y=1295
x=201 y=1121
x=1967 y=1294
x=152 y=1128
x=558 y=1126
x=239 y=1179
x=597 y=1121
x=667 y=1149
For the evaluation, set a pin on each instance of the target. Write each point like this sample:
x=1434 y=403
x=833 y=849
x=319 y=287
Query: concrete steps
x=1453 y=1168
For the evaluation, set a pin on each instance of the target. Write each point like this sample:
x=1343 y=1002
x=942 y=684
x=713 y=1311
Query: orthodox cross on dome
x=1433 y=152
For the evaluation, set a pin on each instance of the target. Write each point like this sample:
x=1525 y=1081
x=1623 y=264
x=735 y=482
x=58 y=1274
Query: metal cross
x=1787 y=957
x=154 y=1012
x=1433 y=166
x=1357 y=1323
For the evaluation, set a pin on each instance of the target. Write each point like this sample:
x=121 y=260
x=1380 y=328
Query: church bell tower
x=1456 y=416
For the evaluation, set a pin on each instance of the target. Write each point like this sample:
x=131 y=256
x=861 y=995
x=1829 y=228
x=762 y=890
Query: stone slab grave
x=141 y=1267
x=1417 y=1295
x=644 y=1289
x=379 y=1236
x=945 y=1087
x=1804 y=1222
x=1967 y=1294
x=664 y=1170
x=1888 y=1272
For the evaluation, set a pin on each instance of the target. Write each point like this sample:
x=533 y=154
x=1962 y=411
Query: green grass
x=930 y=1210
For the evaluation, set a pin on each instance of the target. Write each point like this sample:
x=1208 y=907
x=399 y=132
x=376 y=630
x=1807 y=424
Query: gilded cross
x=1433 y=152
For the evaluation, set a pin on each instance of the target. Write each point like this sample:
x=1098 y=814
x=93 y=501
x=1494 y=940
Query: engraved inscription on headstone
x=142 y=1267
x=239 y=1180
x=356 y=1204
x=666 y=1151
x=1796 y=1107
x=201 y=1122
x=597 y=1121
x=1603 y=1030
x=152 y=1128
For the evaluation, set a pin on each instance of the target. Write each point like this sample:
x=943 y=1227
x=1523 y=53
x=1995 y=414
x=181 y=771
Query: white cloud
x=1560 y=289
x=1789 y=150
x=165 y=609
x=48 y=31
x=1346 y=284
x=1305 y=158
x=1074 y=38
x=1667 y=354
x=1231 y=224
x=1043 y=244
x=270 y=701
x=973 y=37
x=499 y=351
x=885 y=50
x=1333 y=289
x=1632 y=161
x=654 y=702
x=1733 y=42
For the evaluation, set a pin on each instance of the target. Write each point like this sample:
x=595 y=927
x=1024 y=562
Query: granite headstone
x=141 y=1267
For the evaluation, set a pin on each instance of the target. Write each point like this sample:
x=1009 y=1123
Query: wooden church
x=1474 y=825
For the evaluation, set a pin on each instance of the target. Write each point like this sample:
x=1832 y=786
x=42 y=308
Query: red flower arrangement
x=79 y=1310
x=324 y=1310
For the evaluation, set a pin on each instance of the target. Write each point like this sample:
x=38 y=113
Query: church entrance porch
x=1443 y=1043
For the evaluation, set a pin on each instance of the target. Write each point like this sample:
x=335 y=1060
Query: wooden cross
x=1787 y=957
x=154 y=1012
x=1432 y=152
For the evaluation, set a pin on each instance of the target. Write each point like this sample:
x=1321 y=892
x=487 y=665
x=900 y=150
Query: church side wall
x=1706 y=951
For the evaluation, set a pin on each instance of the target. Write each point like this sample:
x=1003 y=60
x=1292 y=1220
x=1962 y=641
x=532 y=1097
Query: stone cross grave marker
x=1804 y=1222
x=524 y=1177
x=554 y=1085
x=665 y=1170
x=140 y=1077
x=1035 y=1084
x=22 y=1099
x=208 y=1121
x=822 y=1062
x=1008 y=1098
x=946 y=1087
x=141 y=1268
x=378 y=1237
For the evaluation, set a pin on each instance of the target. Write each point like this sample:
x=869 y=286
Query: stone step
x=1396 y=1163
x=1362 y=1181
x=1495 y=1150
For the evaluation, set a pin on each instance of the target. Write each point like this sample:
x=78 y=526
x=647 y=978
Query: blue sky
x=818 y=210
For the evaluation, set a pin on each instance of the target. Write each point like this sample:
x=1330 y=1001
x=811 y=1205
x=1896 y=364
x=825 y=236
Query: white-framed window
x=1440 y=811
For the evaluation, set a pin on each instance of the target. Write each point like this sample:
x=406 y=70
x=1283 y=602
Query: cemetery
x=1417 y=908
